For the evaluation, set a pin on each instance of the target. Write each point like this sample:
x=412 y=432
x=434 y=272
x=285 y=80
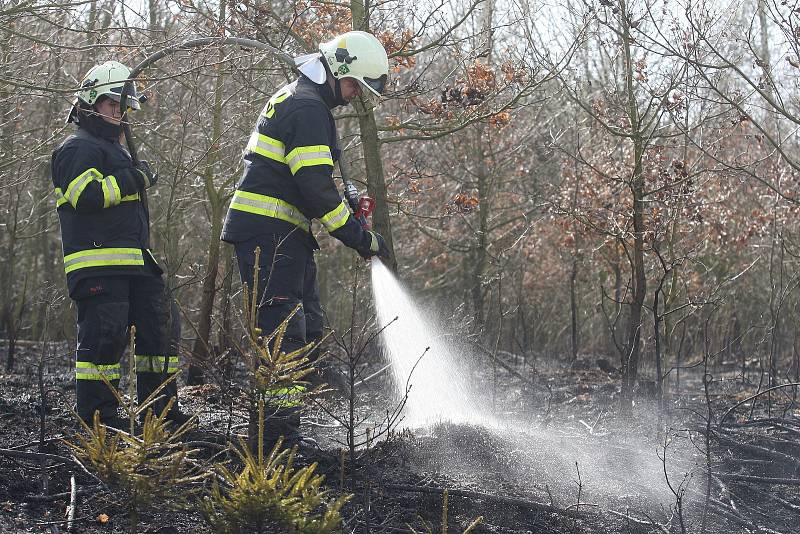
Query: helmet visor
x=376 y=85
x=115 y=93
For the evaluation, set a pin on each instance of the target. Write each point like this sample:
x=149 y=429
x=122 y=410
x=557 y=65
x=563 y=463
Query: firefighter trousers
x=107 y=306
x=287 y=277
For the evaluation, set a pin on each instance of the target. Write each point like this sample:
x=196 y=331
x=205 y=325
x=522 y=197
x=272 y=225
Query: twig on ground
x=73 y=502
x=34 y=455
x=56 y=439
x=60 y=496
x=727 y=512
x=642 y=522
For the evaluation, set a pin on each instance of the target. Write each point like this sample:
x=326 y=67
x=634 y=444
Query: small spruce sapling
x=269 y=491
x=148 y=465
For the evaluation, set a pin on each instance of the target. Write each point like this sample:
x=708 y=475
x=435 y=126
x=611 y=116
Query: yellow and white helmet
x=358 y=55
x=107 y=79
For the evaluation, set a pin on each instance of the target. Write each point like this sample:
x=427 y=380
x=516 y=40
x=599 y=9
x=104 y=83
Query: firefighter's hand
x=373 y=245
x=147 y=175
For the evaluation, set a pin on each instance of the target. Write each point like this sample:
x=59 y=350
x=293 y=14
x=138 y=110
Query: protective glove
x=373 y=244
x=146 y=174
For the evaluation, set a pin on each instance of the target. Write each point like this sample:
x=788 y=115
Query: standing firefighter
x=287 y=181
x=111 y=273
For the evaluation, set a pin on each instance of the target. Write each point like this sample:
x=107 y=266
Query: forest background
x=614 y=179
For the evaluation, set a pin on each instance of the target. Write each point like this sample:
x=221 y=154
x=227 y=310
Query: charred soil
x=560 y=457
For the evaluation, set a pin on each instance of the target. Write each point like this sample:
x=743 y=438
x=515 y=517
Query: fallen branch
x=89 y=473
x=208 y=445
x=734 y=515
x=751 y=397
x=760 y=480
x=34 y=455
x=756 y=449
x=778 y=424
x=783 y=502
x=21 y=342
x=36 y=443
x=632 y=519
x=60 y=496
x=504 y=365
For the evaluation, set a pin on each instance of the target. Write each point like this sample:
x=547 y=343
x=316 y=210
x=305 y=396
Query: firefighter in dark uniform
x=287 y=182
x=111 y=273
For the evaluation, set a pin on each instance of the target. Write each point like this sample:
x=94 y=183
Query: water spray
x=429 y=371
x=432 y=373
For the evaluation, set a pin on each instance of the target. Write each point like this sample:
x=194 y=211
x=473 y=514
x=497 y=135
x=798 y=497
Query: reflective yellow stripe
x=307 y=156
x=101 y=257
x=61 y=199
x=269 y=207
x=296 y=389
x=90 y=371
x=269 y=109
x=282 y=397
x=303 y=156
x=266 y=146
x=155 y=364
x=172 y=364
x=335 y=218
x=76 y=186
x=111 y=193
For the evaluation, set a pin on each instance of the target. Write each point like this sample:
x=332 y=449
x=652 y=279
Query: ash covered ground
x=556 y=457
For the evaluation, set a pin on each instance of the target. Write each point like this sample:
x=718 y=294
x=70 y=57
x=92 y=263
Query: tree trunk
x=638 y=278
x=371 y=147
x=376 y=181
x=480 y=253
x=8 y=261
x=200 y=350
x=224 y=339
x=573 y=276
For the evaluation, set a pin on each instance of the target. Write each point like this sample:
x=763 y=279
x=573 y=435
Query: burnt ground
x=557 y=457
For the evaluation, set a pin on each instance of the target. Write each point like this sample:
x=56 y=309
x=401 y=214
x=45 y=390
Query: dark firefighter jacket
x=288 y=176
x=104 y=224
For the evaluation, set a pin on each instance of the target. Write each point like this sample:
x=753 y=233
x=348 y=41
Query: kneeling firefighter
x=287 y=182
x=111 y=273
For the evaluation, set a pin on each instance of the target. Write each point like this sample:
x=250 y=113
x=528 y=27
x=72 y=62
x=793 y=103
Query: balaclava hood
x=333 y=97
x=91 y=121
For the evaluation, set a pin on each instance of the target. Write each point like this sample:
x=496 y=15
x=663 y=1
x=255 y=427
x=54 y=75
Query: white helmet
x=358 y=55
x=107 y=79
